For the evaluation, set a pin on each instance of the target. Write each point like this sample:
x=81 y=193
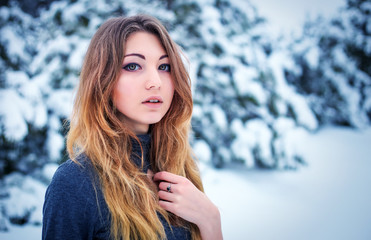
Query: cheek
x=171 y=89
x=120 y=94
x=170 y=94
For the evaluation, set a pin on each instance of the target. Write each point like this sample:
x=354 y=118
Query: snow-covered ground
x=330 y=198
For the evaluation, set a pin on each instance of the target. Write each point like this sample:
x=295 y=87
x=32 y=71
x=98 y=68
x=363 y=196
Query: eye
x=164 y=67
x=131 y=67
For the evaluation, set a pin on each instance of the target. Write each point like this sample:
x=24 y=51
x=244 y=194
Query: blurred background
x=282 y=108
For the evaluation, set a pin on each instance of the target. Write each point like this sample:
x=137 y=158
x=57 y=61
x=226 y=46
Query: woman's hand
x=179 y=196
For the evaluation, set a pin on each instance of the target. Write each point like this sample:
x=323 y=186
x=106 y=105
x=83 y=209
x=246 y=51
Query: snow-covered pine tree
x=242 y=101
x=227 y=50
x=23 y=113
x=245 y=110
x=334 y=59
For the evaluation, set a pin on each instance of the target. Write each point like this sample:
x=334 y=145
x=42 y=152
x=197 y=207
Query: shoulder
x=74 y=201
x=76 y=180
x=79 y=167
x=71 y=173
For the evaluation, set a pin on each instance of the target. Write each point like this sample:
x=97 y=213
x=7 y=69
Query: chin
x=154 y=120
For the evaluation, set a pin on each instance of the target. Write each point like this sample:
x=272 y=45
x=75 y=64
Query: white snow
x=15 y=44
x=61 y=101
x=48 y=170
x=12 y=111
x=287 y=144
x=304 y=115
x=245 y=80
x=357 y=117
x=25 y=195
x=219 y=116
x=239 y=145
x=203 y=151
x=253 y=135
x=312 y=56
x=72 y=13
x=328 y=199
x=76 y=58
x=55 y=143
x=287 y=16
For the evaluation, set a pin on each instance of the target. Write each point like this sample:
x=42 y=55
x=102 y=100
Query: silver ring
x=169 y=188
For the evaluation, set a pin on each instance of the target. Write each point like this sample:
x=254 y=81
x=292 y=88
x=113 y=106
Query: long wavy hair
x=97 y=131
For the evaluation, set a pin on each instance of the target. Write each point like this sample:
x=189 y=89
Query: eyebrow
x=143 y=57
x=163 y=56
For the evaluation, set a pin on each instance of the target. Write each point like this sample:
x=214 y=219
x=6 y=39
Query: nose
x=153 y=80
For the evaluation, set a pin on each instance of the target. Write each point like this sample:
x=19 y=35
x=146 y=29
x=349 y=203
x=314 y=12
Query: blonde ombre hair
x=97 y=131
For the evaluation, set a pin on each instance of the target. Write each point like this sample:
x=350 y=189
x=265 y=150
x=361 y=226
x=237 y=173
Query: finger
x=169 y=197
x=168 y=206
x=166 y=186
x=166 y=176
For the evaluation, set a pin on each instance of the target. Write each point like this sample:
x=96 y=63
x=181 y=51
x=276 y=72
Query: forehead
x=144 y=43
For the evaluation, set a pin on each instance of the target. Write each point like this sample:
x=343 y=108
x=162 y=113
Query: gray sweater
x=74 y=209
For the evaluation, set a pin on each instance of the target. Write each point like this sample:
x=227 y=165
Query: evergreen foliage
x=253 y=95
x=334 y=61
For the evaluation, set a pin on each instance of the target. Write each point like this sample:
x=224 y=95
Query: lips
x=153 y=99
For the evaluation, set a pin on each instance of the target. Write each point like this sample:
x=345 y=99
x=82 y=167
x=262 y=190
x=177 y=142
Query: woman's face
x=145 y=89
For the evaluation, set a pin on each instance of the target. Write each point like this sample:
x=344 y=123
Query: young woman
x=131 y=173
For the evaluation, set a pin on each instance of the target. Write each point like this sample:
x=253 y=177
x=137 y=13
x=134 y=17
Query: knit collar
x=145 y=141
